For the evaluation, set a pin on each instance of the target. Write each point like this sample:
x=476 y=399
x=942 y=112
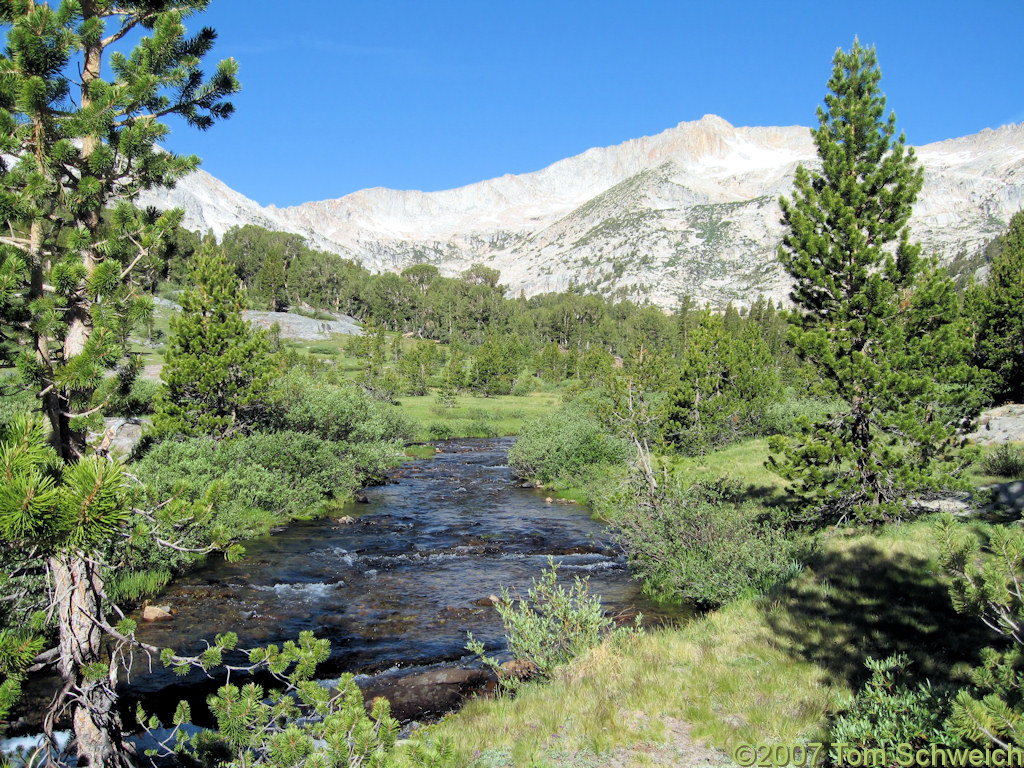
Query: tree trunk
x=860 y=437
x=78 y=591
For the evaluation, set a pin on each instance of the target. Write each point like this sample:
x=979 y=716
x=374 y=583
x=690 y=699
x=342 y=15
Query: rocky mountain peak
x=690 y=210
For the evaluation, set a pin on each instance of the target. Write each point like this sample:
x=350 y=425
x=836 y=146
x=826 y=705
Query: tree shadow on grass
x=867 y=601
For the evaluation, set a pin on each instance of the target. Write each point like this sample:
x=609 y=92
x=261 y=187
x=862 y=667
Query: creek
x=396 y=589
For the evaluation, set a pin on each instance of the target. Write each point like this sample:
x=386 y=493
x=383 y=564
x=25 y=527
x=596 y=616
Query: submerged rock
x=433 y=692
x=157 y=613
x=488 y=601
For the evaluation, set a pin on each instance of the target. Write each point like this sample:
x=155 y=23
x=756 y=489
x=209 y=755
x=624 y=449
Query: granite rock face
x=691 y=210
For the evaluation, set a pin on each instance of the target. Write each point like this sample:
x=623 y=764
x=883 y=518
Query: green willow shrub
x=334 y=408
x=699 y=544
x=439 y=430
x=262 y=479
x=785 y=416
x=551 y=626
x=564 y=444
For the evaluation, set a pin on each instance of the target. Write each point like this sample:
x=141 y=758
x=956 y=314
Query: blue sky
x=339 y=96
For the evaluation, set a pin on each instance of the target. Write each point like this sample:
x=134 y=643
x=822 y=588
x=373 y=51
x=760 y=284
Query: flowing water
x=400 y=585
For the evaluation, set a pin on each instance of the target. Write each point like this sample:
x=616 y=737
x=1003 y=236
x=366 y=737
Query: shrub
x=264 y=478
x=322 y=350
x=563 y=444
x=312 y=313
x=699 y=544
x=480 y=428
x=15 y=401
x=524 y=386
x=551 y=626
x=334 y=409
x=1005 y=461
x=785 y=416
x=439 y=430
x=887 y=712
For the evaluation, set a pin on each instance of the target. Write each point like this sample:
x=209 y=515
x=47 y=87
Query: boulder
x=157 y=613
x=432 y=692
x=521 y=669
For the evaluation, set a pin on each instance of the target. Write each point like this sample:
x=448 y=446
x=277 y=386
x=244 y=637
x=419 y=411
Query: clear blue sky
x=339 y=96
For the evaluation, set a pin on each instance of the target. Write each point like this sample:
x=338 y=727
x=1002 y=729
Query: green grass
x=769 y=669
x=475 y=416
x=419 y=451
x=742 y=462
x=977 y=474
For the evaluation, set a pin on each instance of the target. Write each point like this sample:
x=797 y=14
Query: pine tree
x=985 y=583
x=1000 y=321
x=848 y=249
x=726 y=382
x=496 y=365
x=76 y=162
x=217 y=369
x=79 y=124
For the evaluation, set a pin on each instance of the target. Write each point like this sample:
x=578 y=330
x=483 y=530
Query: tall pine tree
x=1000 y=316
x=217 y=370
x=80 y=117
x=875 y=343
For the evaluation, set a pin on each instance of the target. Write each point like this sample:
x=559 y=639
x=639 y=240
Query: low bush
x=15 y=400
x=322 y=350
x=699 y=544
x=1005 y=461
x=550 y=626
x=439 y=430
x=525 y=386
x=261 y=479
x=785 y=416
x=888 y=711
x=334 y=408
x=564 y=444
x=313 y=314
x=480 y=428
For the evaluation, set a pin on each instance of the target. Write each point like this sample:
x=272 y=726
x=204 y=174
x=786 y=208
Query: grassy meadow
x=496 y=416
x=768 y=669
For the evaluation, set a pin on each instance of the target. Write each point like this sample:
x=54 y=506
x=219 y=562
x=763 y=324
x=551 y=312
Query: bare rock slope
x=691 y=210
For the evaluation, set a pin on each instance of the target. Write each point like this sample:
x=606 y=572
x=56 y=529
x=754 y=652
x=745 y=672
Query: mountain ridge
x=693 y=209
